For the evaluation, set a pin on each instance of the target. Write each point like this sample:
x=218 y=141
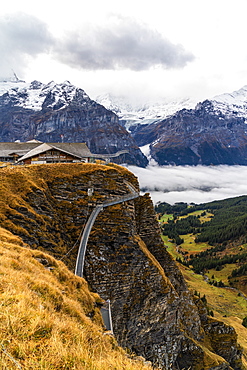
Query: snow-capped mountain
x=62 y=112
x=214 y=132
x=172 y=132
x=32 y=95
x=232 y=103
x=132 y=114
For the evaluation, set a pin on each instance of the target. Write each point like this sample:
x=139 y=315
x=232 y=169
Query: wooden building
x=37 y=152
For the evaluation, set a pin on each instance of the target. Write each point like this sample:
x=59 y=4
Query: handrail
x=109 y=155
x=84 y=239
x=105 y=311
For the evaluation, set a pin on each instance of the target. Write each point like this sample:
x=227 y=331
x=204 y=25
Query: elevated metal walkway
x=84 y=239
x=106 y=309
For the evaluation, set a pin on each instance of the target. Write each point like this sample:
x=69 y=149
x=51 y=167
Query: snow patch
x=234 y=103
x=146 y=151
x=32 y=95
x=131 y=114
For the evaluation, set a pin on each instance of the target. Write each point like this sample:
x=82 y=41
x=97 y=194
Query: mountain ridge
x=151 y=111
x=62 y=112
x=212 y=133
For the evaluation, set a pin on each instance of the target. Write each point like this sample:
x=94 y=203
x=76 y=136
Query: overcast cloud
x=121 y=44
x=21 y=36
x=188 y=184
x=154 y=49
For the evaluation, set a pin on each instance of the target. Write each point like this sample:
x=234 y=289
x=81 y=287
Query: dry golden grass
x=226 y=304
x=45 y=316
x=48 y=317
x=16 y=182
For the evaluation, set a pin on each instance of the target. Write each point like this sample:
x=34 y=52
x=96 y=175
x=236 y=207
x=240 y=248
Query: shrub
x=244 y=323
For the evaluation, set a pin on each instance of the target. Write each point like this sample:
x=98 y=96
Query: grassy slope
x=48 y=317
x=228 y=306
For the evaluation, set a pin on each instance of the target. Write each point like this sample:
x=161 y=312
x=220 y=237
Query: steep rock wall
x=154 y=314
x=196 y=136
x=80 y=120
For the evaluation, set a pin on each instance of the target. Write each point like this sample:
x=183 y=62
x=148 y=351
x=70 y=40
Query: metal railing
x=84 y=239
x=106 y=309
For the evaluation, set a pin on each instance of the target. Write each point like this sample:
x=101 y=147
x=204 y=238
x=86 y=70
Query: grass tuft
x=48 y=317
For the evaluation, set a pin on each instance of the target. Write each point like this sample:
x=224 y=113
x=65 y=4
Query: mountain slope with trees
x=209 y=243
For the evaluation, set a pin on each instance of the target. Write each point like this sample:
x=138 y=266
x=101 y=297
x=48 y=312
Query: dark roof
x=28 y=149
x=32 y=148
x=7 y=149
x=78 y=150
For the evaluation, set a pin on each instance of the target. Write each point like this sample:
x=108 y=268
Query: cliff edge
x=154 y=314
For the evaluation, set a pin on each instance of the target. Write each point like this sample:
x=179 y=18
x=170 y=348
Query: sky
x=159 y=49
x=191 y=184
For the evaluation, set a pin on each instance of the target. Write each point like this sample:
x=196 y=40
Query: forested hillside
x=209 y=241
x=225 y=232
x=229 y=221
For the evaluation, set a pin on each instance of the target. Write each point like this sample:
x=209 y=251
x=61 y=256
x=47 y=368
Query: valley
x=177 y=285
x=212 y=270
x=123 y=192
x=43 y=209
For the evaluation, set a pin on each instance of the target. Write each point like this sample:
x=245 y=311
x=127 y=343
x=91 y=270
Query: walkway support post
x=106 y=315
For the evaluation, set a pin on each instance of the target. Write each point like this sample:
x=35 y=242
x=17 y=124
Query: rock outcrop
x=154 y=314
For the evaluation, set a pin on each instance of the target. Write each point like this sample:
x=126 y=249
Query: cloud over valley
x=189 y=184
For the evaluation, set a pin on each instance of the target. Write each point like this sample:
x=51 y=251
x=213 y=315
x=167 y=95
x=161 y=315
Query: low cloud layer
x=121 y=44
x=188 y=184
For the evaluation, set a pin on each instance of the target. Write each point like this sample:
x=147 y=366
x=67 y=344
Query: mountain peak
x=232 y=103
x=236 y=97
x=60 y=111
x=33 y=95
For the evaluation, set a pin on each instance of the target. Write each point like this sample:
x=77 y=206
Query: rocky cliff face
x=214 y=132
x=154 y=313
x=204 y=135
x=62 y=112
